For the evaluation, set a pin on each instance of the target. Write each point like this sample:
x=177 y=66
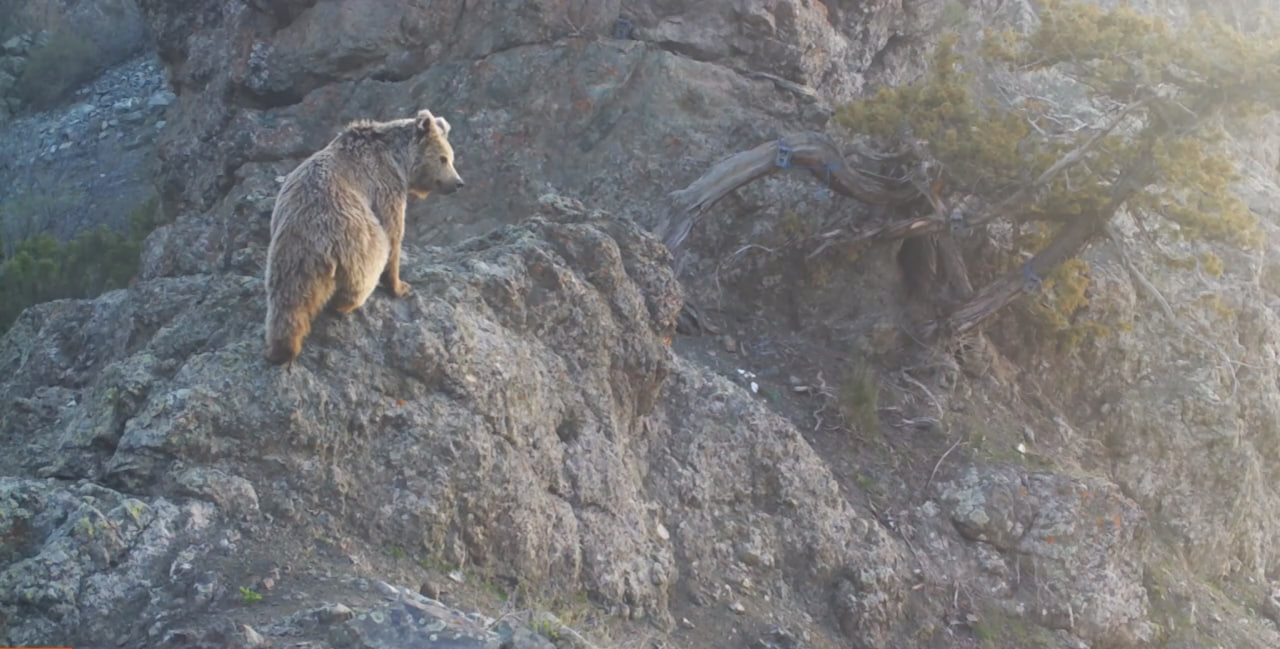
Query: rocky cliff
x=528 y=436
x=81 y=100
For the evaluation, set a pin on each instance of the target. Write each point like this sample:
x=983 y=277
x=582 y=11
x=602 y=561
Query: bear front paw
x=401 y=289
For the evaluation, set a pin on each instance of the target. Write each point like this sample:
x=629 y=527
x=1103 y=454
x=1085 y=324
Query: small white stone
x=662 y=532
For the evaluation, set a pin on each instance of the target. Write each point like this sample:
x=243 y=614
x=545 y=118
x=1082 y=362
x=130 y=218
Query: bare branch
x=1138 y=276
x=813 y=152
x=929 y=482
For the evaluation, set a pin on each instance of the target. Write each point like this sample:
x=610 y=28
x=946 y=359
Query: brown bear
x=339 y=219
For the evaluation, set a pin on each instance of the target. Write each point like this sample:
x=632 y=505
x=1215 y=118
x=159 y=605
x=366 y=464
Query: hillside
x=572 y=435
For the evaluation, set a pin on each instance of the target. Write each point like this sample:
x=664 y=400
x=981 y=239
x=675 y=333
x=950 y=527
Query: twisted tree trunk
x=1068 y=244
x=818 y=155
x=994 y=296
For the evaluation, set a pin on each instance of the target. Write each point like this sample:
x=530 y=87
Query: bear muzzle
x=451 y=186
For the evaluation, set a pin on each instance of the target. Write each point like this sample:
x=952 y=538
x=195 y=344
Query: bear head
x=434 y=172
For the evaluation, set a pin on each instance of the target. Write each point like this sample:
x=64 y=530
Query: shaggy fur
x=339 y=219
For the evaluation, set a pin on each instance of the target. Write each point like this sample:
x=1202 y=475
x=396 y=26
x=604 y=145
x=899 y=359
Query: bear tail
x=293 y=302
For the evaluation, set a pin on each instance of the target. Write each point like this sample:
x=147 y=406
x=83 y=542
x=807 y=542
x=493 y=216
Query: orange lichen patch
x=1117 y=520
x=1048 y=539
x=400 y=402
x=583 y=105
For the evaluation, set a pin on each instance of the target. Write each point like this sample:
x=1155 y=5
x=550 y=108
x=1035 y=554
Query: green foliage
x=547 y=627
x=250 y=596
x=1059 y=308
x=65 y=60
x=1185 y=84
x=1169 y=93
x=41 y=268
x=1062 y=299
x=978 y=147
x=32 y=212
x=859 y=400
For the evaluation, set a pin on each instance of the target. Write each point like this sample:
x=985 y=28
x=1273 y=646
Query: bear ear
x=426 y=121
x=443 y=124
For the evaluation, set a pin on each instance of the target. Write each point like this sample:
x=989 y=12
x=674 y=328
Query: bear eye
x=444 y=160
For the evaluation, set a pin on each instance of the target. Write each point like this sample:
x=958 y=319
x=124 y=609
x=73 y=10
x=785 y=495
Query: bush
x=42 y=269
x=65 y=60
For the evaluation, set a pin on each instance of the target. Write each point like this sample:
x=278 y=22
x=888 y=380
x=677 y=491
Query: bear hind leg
x=352 y=291
x=357 y=279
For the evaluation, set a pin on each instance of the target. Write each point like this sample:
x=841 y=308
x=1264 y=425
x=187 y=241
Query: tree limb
x=810 y=151
x=1025 y=194
x=819 y=155
x=1138 y=277
x=996 y=295
x=1069 y=243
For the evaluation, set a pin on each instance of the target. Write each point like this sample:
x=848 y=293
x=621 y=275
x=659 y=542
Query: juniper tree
x=1165 y=96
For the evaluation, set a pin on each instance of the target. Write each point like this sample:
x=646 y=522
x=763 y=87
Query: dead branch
x=1019 y=199
x=954 y=268
x=1137 y=275
x=819 y=155
x=813 y=152
x=937 y=405
x=801 y=90
x=934 y=473
x=1069 y=243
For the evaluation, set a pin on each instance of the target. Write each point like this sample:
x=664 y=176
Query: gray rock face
x=86 y=163
x=542 y=97
x=97 y=34
x=1185 y=407
x=1081 y=536
x=79 y=557
x=520 y=412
